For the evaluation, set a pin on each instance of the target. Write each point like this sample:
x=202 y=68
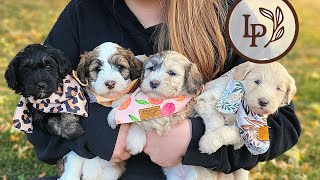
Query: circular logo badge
x=262 y=31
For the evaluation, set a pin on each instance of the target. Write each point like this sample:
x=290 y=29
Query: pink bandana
x=140 y=107
x=69 y=98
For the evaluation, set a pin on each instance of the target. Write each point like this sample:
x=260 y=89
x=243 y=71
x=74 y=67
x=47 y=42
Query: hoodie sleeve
x=98 y=140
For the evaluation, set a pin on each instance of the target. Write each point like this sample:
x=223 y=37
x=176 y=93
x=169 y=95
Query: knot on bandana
x=103 y=100
x=69 y=98
x=140 y=107
x=253 y=127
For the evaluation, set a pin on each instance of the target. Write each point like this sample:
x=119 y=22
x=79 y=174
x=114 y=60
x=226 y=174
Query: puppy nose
x=110 y=84
x=263 y=102
x=41 y=85
x=154 y=84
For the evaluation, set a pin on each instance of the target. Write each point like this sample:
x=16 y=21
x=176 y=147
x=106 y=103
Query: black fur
x=37 y=65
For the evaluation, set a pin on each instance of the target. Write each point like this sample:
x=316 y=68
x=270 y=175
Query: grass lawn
x=24 y=22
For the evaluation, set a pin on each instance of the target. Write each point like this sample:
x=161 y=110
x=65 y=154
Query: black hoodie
x=85 y=24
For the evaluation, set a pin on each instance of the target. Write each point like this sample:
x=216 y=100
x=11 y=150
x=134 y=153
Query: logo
x=262 y=31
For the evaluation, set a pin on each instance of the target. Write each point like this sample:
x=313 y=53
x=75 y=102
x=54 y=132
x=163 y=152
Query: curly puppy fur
x=108 y=70
x=267 y=87
x=37 y=71
x=165 y=75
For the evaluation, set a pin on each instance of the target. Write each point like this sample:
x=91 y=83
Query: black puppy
x=37 y=71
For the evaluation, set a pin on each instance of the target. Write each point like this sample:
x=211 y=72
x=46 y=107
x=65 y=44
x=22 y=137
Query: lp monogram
x=262 y=31
x=277 y=20
x=254 y=27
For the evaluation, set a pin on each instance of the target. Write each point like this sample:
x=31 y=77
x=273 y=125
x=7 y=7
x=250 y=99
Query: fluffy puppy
x=36 y=71
x=267 y=87
x=165 y=75
x=106 y=71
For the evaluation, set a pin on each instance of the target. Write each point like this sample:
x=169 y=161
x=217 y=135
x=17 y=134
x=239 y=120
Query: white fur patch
x=108 y=72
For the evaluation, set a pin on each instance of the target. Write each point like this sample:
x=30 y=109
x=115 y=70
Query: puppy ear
x=134 y=63
x=193 y=78
x=242 y=70
x=83 y=68
x=135 y=67
x=292 y=89
x=63 y=62
x=11 y=77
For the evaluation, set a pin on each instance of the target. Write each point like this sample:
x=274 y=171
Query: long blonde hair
x=195 y=28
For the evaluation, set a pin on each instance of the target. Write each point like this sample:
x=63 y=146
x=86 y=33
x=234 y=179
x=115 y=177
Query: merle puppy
x=37 y=71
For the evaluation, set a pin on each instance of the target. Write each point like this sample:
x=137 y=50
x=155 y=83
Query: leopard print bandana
x=69 y=98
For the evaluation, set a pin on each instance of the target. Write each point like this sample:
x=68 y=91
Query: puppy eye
x=279 y=89
x=151 y=69
x=98 y=69
x=258 y=82
x=27 y=69
x=120 y=67
x=48 y=66
x=171 y=73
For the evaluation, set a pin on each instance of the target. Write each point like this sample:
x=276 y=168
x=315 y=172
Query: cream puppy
x=267 y=87
x=165 y=75
x=106 y=72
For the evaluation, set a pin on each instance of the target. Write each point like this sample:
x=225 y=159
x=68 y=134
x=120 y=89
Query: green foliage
x=25 y=22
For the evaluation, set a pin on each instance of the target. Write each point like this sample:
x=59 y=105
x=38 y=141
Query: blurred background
x=29 y=21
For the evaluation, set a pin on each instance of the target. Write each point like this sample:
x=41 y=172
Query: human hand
x=120 y=150
x=167 y=150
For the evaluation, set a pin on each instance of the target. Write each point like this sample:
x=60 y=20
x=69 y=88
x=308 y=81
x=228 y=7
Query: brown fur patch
x=130 y=66
x=86 y=60
x=193 y=79
x=60 y=166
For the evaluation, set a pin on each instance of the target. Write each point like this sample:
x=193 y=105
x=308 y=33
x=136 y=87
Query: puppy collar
x=68 y=98
x=140 y=107
x=108 y=102
x=253 y=127
x=75 y=76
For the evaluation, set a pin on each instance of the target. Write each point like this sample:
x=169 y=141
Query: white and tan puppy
x=165 y=75
x=267 y=87
x=106 y=71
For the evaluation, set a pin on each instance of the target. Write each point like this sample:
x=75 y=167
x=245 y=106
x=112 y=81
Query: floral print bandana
x=253 y=127
x=140 y=107
x=69 y=98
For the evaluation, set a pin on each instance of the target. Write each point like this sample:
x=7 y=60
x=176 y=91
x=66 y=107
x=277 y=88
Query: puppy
x=165 y=75
x=267 y=87
x=36 y=71
x=106 y=71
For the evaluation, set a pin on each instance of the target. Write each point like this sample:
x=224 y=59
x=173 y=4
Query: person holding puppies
x=192 y=28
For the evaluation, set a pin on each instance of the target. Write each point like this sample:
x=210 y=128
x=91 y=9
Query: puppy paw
x=136 y=139
x=112 y=119
x=209 y=144
x=120 y=101
x=72 y=131
x=67 y=126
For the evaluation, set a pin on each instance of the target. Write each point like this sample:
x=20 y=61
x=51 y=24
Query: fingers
x=118 y=158
x=120 y=152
